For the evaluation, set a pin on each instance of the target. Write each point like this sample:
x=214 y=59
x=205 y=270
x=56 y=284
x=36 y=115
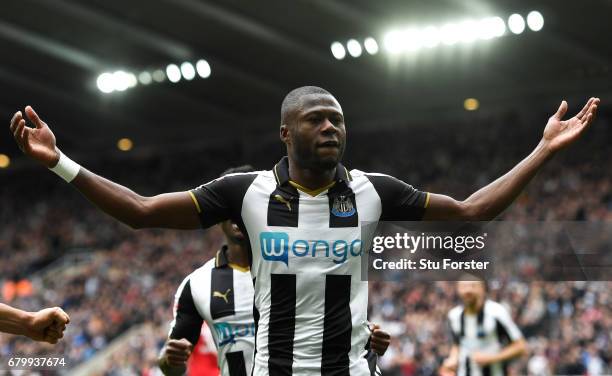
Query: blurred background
x=165 y=95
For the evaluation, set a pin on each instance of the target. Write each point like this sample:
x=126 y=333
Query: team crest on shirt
x=343 y=206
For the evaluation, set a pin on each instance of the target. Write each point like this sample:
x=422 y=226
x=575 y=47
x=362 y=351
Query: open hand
x=560 y=133
x=38 y=142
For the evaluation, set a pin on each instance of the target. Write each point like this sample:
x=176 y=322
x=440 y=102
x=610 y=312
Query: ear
x=284 y=134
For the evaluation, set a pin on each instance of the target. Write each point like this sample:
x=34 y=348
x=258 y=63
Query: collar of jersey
x=281 y=174
x=311 y=192
x=221 y=261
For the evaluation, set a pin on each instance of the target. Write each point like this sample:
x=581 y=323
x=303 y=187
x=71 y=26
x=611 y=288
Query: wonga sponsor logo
x=275 y=246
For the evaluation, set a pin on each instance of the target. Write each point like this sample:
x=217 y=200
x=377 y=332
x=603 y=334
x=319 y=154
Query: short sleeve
x=506 y=328
x=400 y=201
x=187 y=321
x=221 y=199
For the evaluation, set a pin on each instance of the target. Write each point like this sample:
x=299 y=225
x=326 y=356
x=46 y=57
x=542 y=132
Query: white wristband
x=66 y=168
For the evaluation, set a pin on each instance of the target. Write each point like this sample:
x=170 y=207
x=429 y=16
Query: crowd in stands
x=131 y=276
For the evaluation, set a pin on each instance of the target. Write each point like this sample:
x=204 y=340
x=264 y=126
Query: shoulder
x=455 y=313
x=496 y=309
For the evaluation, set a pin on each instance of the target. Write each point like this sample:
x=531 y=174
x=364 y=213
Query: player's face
x=471 y=292
x=318 y=137
x=232 y=232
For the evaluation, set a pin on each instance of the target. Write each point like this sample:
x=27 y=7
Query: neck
x=476 y=307
x=237 y=254
x=310 y=178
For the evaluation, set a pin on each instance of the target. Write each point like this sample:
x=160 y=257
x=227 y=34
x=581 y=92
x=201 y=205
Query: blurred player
x=46 y=325
x=303 y=221
x=484 y=335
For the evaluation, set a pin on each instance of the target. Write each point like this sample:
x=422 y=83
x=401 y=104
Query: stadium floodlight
x=471 y=104
x=188 y=71
x=468 y=31
x=121 y=80
x=338 y=50
x=203 y=68
x=535 y=20
x=174 y=73
x=106 y=83
x=430 y=36
x=125 y=144
x=5 y=161
x=516 y=23
x=491 y=27
x=158 y=75
x=371 y=46
x=131 y=80
x=449 y=34
x=393 y=42
x=412 y=39
x=145 y=78
x=354 y=48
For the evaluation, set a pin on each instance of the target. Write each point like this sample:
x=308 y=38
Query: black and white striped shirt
x=311 y=305
x=222 y=295
x=488 y=331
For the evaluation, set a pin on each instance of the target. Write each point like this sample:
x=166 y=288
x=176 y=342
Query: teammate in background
x=220 y=293
x=303 y=221
x=484 y=335
x=46 y=325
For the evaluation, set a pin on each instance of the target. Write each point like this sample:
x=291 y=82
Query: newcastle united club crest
x=343 y=206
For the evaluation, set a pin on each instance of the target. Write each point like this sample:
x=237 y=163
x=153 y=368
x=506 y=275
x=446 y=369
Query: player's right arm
x=170 y=210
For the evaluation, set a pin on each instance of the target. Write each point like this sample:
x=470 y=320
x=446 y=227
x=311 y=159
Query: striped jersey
x=222 y=296
x=310 y=302
x=488 y=331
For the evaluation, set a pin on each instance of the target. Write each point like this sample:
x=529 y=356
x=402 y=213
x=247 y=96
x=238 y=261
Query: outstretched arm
x=170 y=210
x=491 y=200
x=47 y=325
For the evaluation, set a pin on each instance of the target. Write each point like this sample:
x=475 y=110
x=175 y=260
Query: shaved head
x=293 y=101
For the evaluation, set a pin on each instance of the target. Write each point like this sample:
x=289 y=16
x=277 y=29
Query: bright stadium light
x=468 y=31
x=125 y=144
x=338 y=50
x=371 y=46
x=121 y=80
x=145 y=78
x=535 y=20
x=5 y=161
x=354 y=48
x=516 y=23
x=131 y=80
x=187 y=71
x=491 y=27
x=471 y=104
x=203 y=68
x=430 y=37
x=106 y=83
x=393 y=42
x=412 y=39
x=449 y=34
x=158 y=75
x=174 y=73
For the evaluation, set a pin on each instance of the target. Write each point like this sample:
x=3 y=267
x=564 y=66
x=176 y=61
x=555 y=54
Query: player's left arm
x=491 y=200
